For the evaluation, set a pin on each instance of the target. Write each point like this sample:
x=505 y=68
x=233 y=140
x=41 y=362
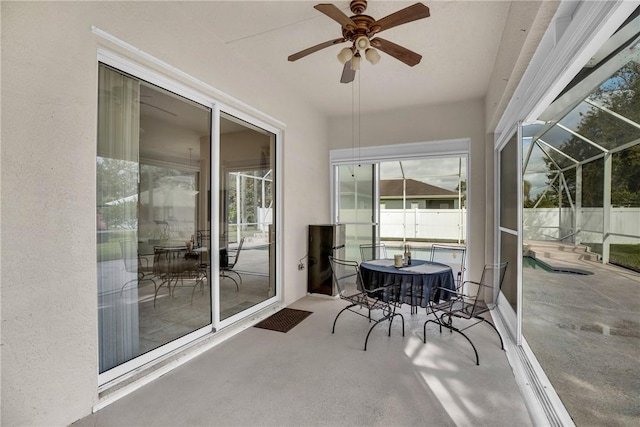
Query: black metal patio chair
x=470 y=307
x=351 y=288
x=369 y=251
x=134 y=263
x=227 y=268
x=453 y=256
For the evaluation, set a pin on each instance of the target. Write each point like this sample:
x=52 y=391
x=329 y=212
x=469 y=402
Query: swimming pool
x=531 y=262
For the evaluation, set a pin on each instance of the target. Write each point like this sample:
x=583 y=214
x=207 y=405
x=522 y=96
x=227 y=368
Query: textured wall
x=49 y=103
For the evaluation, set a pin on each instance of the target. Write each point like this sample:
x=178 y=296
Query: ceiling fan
x=360 y=30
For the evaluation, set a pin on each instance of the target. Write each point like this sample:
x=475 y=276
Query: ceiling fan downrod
x=358 y=6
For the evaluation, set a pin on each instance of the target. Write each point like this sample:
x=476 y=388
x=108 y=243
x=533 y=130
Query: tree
x=621 y=94
x=117 y=189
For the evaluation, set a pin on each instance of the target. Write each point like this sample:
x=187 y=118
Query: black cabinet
x=324 y=241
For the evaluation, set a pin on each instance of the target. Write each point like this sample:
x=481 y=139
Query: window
x=414 y=193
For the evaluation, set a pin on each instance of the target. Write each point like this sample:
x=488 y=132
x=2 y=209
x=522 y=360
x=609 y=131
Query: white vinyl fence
x=418 y=224
x=423 y=224
x=553 y=224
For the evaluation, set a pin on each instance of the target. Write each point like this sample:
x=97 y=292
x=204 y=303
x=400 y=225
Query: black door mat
x=284 y=320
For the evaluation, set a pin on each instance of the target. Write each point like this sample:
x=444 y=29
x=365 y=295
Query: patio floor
x=310 y=376
x=585 y=333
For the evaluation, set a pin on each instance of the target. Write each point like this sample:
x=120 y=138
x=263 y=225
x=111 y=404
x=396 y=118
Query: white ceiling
x=458 y=44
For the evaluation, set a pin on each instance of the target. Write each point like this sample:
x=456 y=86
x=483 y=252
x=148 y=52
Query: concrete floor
x=310 y=376
x=585 y=333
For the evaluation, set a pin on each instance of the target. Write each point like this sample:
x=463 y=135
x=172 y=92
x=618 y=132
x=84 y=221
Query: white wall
x=49 y=109
x=432 y=123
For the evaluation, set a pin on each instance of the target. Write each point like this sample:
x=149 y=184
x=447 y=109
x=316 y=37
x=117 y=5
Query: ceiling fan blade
x=312 y=49
x=400 y=53
x=347 y=73
x=332 y=11
x=408 y=14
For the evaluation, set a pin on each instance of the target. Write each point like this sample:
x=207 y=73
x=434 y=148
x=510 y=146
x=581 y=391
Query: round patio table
x=416 y=284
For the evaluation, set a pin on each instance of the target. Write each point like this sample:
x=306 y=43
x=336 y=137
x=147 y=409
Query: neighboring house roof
x=392 y=188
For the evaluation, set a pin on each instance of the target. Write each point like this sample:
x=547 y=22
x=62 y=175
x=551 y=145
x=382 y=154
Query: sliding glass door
x=178 y=257
x=152 y=209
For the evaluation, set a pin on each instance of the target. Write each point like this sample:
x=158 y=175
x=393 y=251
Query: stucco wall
x=49 y=109
x=432 y=123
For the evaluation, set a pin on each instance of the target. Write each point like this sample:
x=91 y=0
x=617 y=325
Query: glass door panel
x=418 y=201
x=422 y=202
x=247 y=214
x=357 y=206
x=153 y=283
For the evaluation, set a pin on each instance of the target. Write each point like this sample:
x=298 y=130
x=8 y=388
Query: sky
x=441 y=172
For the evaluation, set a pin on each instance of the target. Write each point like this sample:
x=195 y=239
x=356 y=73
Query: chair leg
x=451 y=328
x=130 y=281
x=140 y=280
x=333 y=330
x=155 y=295
x=234 y=281
x=239 y=277
x=234 y=272
x=371 y=329
x=391 y=322
x=390 y=318
x=201 y=281
x=155 y=285
x=494 y=328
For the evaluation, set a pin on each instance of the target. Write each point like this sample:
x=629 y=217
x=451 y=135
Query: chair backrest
x=346 y=276
x=452 y=256
x=369 y=251
x=490 y=287
x=203 y=238
x=237 y=254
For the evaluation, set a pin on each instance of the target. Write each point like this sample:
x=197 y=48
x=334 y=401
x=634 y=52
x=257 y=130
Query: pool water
x=531 y=262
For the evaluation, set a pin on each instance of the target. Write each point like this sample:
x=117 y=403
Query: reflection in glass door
x=247 y=215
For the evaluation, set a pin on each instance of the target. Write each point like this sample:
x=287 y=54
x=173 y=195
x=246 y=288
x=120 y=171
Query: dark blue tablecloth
x=414 y=287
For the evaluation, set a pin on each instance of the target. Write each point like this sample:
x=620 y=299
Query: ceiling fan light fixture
x=355 y=62
x=345 y=55
x=362 y=43
x=372 y=56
